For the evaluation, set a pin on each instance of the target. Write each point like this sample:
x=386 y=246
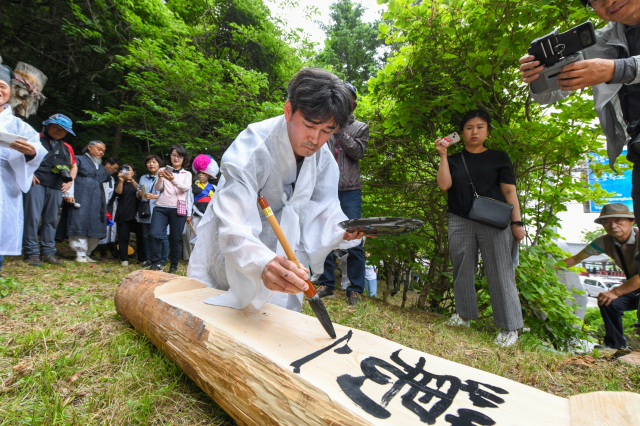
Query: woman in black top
x=125 y=218
x=493 y=177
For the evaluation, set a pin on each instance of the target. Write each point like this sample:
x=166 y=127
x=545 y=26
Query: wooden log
x=271 y=366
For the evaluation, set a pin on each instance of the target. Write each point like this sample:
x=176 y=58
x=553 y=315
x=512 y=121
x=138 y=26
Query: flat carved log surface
x=273 y=366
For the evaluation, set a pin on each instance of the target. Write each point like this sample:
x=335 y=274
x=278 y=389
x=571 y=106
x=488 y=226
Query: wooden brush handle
x=283 y=241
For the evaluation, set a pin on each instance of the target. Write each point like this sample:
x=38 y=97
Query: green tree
x=457 y=55
x=351 y=44
x=588 y=236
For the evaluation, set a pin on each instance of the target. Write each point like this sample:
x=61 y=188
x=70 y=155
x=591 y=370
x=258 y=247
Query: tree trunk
x=117 y=140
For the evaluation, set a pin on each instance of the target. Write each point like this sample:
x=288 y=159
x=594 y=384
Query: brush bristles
x=322 y=315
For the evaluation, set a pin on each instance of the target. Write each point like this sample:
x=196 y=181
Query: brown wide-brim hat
x=614 y=210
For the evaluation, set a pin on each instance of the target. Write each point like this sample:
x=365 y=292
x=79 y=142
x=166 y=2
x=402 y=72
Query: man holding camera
x=41 y=204
x=612 y=69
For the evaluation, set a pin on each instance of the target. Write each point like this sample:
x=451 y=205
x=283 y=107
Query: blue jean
x=163 y=216
x=146 y=232
x=371 y=286
x=1 y=261
x=351 y=204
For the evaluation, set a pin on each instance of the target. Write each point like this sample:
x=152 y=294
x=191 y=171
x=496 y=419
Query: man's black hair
x=320 y=96
x=584 y=2
x=153 y=157
x=111 y=160
x=181 y=152
x=476 y=113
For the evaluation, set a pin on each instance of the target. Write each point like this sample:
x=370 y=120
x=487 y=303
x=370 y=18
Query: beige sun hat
x=614 y=210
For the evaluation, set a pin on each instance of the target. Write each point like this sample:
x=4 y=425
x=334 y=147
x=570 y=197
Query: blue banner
x=620 y=184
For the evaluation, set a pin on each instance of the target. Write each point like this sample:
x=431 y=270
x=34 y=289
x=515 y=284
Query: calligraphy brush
x=314 y=301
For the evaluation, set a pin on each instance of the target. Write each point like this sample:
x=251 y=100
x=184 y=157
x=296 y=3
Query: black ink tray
x=382 y=225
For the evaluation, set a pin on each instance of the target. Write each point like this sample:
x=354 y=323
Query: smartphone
x=451 y=139
x=169 y=169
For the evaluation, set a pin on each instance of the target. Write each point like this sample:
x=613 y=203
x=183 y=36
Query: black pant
x=124 y=231
x=612 y=317
x=163 y=216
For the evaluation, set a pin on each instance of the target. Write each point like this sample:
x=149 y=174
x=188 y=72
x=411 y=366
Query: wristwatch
x=517 y=222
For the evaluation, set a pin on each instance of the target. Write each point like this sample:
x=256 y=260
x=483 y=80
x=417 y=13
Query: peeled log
x=246 y=361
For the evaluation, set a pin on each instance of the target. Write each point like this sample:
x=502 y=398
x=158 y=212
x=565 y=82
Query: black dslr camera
x=63 y=171
x=555 y=51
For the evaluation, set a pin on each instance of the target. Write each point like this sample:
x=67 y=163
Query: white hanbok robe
x=235 y=240
x=16 y=177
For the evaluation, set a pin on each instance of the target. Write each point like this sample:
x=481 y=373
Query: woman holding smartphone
x=492 y=174
x=171 y=208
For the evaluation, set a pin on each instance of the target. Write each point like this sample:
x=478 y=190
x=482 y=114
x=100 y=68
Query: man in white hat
x=620 y=243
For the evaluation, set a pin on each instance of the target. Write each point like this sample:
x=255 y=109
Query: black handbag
x=144 y=209
x=488 y=211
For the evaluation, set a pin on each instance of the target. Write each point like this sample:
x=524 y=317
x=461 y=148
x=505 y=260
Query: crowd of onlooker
x=104 y=202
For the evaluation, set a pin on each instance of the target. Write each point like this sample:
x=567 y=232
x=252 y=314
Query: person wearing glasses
x=170 y=208
x=620 y=243
x=612 y=69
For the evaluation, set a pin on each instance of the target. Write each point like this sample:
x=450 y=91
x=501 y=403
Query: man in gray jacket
x=612 y=69
x=348 y=147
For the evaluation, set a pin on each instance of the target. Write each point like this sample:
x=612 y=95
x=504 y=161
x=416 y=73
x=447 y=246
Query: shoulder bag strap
x=464 y=163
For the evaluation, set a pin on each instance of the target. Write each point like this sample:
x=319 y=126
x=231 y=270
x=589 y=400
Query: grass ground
x=66 y=356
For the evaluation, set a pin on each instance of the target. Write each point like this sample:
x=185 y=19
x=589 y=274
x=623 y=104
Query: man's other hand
x=590 y=72
x=349 y=236
x=24 y=147
x=606 y=297
x=65 y=186
x=35 y=180
x=529 y=68
x=284 y=276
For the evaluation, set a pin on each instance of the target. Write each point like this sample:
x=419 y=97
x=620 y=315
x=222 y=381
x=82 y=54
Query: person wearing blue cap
x=18 y=162
x=41 y=204
x=348 y=146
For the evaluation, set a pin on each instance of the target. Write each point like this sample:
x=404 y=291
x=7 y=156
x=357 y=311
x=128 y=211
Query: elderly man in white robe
x=18 y=162
x=285 y=160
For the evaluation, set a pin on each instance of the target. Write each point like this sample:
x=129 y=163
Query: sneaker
x=156 y=267
x=506 y=338
x=353 y=297
x=52 y=260
x=145 y=264
x=34 y=261
x=84 y=259
x=125 y=263
x=173 y=269
x=325 y=292
x=457 y=321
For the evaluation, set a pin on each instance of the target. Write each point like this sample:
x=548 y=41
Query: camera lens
x=65 y=175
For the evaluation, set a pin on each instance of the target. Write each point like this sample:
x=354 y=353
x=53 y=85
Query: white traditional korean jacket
x=16 y=177
x=235 y=240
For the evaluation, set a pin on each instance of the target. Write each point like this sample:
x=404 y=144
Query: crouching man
x=285 y=160
x=620 y=243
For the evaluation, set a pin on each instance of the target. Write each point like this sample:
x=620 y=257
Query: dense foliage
x=146 y=74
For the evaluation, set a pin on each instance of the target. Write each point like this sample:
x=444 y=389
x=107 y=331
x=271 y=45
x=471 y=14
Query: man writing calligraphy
x=285 y=160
